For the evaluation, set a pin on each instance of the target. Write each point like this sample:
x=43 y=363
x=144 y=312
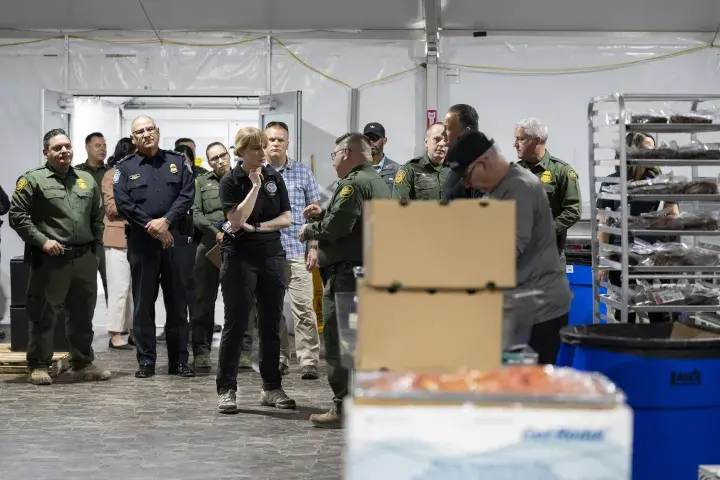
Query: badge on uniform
x=347 y=191
x=81 y=183
x=116 y=176
x=400 y=177
x=173 y=168
x=572 y=175
x=271 y=188
x=21 y=184
x=546 y=177
x=134 y=177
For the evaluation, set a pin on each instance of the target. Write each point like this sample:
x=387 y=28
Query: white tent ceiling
x=17 y=17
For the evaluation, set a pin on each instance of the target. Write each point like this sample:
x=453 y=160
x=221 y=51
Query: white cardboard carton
x=467 y=442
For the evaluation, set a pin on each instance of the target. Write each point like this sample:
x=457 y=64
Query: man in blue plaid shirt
x=301 y=257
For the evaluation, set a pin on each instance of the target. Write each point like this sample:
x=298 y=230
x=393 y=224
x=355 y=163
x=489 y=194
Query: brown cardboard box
x=428 y=332
x=466 y=244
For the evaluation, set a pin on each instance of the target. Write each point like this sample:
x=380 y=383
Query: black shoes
x=181 y=370
x=145 y=371
x=125 y=346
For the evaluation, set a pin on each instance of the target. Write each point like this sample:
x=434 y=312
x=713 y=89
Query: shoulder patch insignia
x=271 y=188
x=116 y=176
x=572 y=175
x=400 y=177
x=21 y=184
x=347 y=191
x=546 y=177
x=81 y=183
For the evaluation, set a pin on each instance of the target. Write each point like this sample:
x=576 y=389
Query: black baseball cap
x=466 y=149
x=374 y=128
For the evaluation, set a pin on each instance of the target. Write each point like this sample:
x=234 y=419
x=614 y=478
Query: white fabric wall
x=121 y=69
x=500 y=98
x=561 y=99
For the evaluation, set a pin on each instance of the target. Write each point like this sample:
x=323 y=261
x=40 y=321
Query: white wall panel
x=560 y=100
x=326 y=103
x=237 y=69
x=26 y=71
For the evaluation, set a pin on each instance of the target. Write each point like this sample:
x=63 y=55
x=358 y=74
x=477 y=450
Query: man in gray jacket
x=478 y=162
x=382 y=164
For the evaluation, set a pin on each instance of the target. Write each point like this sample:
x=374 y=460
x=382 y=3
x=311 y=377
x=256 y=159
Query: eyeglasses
x=142 y=131
x=342 y=150
x=218 y=157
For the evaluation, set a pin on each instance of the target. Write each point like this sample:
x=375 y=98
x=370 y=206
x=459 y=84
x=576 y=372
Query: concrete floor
x=164 y=427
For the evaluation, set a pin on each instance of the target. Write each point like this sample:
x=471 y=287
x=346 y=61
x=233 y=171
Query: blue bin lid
x=649 y=337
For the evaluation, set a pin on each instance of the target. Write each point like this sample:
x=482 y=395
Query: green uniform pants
x=207 y=282
x=100 y=254
x=337 y=374
x=62 y=288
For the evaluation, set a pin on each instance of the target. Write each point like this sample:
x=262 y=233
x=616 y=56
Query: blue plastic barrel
x=672 y=384
x=580 y=278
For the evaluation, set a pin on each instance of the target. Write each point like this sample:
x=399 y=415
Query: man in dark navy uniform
x=154 y=189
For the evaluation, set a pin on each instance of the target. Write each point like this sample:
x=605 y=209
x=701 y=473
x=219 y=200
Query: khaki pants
x=119 y=290
x=299 y=284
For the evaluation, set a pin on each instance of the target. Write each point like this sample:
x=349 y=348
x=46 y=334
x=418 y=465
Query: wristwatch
x=257 y=226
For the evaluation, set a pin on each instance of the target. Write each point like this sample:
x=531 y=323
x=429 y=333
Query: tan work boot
x=91 y=373
x=244 y=363
x=40 y=376
x=331 y=419
x=202 y=362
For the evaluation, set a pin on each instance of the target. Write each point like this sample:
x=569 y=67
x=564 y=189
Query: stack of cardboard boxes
x=430 y=302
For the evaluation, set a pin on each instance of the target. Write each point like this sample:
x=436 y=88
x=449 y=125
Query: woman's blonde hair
x=250 y=137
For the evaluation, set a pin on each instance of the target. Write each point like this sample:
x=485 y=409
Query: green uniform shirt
x=339 y=233
x=49 y=206
x=419 y=179
x=207 y=210
x=97 y=173
x=561 y=184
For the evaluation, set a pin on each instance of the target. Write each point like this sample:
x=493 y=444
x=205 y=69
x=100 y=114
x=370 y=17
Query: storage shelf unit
x=598 y=126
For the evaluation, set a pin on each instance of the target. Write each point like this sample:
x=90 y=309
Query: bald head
x=145 y=135
x=435 y=144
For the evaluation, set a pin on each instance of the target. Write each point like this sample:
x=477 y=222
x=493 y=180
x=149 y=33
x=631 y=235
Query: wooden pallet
x=15 y=363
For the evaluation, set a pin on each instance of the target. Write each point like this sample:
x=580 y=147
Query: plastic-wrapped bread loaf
x=700 y=187
x=648 y=118
x=691 y=118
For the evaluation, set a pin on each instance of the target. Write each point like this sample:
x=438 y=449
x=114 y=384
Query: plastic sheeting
x=98 y=68
x=559 y=99
x=574 y=70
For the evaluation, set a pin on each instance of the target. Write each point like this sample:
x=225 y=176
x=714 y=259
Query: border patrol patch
x=271 y=188
x=400 y=177
x=116 y=176
x=572 y=175
x=81 y=183
x=21 y=184
x=347 y=191
x=546 y=177
x=173 y=168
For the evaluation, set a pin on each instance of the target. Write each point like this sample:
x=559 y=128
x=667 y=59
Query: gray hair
x=533 y=128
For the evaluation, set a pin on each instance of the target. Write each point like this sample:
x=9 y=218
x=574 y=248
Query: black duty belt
x=71 y=251
x=340 y=268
